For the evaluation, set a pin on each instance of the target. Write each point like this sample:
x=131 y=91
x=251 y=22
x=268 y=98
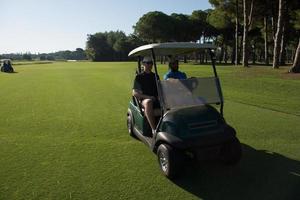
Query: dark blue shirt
x=176 y=75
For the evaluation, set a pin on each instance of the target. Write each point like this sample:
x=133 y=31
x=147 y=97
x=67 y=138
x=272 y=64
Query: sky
x=44 y=26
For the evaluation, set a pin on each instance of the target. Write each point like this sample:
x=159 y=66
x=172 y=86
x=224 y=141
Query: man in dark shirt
x=145 y=89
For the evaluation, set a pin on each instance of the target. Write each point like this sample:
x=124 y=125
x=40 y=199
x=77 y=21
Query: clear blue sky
x=51 y=25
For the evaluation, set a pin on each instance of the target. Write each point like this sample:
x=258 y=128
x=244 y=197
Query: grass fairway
x=63 y=135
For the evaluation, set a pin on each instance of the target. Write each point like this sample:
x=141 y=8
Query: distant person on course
x=173 y=70
x=145 y=89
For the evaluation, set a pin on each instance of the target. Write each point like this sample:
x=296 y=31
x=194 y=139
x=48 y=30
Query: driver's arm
x=139 y=94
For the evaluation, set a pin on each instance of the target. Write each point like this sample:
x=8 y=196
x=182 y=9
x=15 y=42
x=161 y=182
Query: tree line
x=151 y=28
x=111 y=46
x=78 y=54
x=265 y=29
x=245 y=31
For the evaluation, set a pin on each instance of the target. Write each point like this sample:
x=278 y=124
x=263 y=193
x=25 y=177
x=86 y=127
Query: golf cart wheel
x=231 y=152
x=130 y=125
x=170 y=160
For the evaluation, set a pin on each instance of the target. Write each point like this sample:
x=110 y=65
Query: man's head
x=173 y=64
x=148 y=63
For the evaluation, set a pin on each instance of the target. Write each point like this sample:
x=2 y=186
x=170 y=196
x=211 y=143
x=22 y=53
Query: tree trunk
x=282 y=54
x=236 y=32
x=274 y=10
x=247 y=25
x=201 y=57
x=261 y=56
x=296 y=65
x=274 y=26
x=278 y=35
x=225 y=54
x=245 y=38
x=240 y=49
x=221 y=54
x=253 y=55
x=233 y=57
x=266 y=40
x=285 y=18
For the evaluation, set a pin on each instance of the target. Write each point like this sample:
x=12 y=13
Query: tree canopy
x=242 y=29
x=111 y=46
x=154 y=27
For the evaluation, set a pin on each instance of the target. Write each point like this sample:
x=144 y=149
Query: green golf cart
x=189 y=124
x=5 y=66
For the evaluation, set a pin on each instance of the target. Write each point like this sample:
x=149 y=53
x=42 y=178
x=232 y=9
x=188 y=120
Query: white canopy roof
x=172 y=48
x=4 y=60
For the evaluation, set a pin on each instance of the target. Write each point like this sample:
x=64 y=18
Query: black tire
x=130 y=124
x=231 y=152
x=170 y=160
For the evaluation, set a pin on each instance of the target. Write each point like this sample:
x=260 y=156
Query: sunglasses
x=149 y=63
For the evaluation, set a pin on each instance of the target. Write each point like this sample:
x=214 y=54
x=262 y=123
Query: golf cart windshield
x=190 y=92
x=182 y=93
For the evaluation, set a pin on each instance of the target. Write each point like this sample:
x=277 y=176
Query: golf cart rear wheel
x=231 y=152
x=170 y=160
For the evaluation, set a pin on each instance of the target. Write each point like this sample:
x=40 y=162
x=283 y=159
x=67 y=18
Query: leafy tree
x=231 y=9
x=222 y=22
x=219 y=19
x=181 y=27
x=79 y=54
x=135 y=41
x=111 y=46
x=27 y=56
x=154 y=27
x=117 y=41
x=43 y=56
x=199 y=24
x=98 y=48
x=49 y=57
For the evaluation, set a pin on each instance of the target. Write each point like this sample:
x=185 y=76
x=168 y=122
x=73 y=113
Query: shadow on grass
x=14 y=72
x=259 y=175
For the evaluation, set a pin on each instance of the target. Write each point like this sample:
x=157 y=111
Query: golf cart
x=6 y=66
x=189 y=124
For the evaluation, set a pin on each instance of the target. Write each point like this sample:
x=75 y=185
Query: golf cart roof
x=3 y=60
x=172 y=48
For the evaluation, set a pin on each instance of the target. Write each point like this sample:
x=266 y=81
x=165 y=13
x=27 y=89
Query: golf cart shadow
x=14 y=72
x=259 y=175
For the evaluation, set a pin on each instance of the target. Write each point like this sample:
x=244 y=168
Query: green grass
x=63 y=136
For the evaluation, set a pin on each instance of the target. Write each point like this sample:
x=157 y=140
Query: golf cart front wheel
x=130 y=125
x=170 y=160
x=231 y=152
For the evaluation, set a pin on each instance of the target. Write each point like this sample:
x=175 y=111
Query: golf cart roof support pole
x=139 y=65
x=157 y=84
x=213 y=62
